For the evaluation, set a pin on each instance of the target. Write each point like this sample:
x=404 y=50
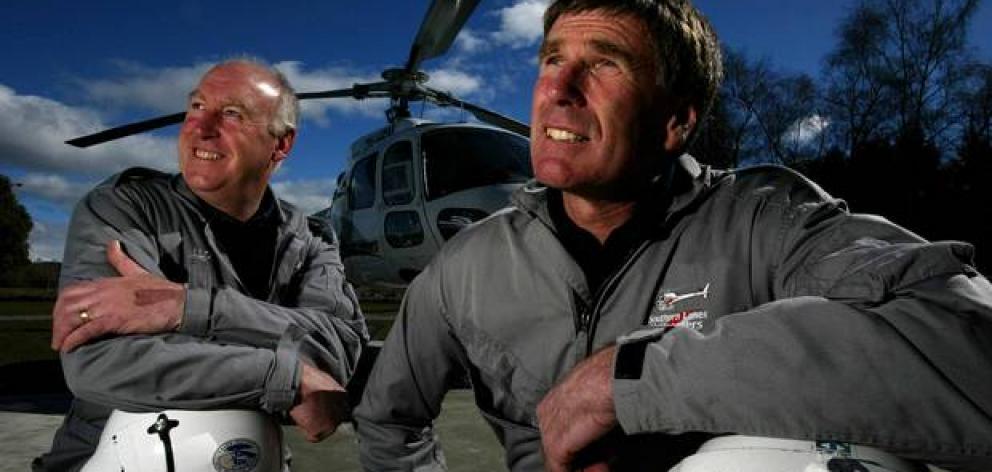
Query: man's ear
x=679 y=128
x=284 y=144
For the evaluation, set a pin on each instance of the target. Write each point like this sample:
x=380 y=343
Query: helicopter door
x=359 y=233
x=408 y=238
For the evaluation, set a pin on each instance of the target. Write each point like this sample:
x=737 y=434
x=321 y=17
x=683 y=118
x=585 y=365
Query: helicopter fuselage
x=410 y=186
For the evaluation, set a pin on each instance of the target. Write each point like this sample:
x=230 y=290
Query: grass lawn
x=25 y=307
x=25 y=341
x=11 y=293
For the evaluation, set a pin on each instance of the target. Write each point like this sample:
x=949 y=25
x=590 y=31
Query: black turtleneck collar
x=250 y=245
x=596 y=260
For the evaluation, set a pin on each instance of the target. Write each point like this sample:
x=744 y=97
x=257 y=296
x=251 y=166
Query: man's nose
x=566 y=84
x=208 y=123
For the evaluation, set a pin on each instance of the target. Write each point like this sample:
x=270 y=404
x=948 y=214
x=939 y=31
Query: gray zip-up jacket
x=231 y=351
x=756 y=304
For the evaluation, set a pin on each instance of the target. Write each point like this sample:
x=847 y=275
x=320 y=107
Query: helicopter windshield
x=456 y=159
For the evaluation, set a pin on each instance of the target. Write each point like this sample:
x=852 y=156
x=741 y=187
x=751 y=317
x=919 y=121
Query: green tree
x=15 y=225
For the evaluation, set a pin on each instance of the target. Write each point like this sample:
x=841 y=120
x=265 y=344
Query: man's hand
x=323 y=404
x=135 y=302
x=577 y=412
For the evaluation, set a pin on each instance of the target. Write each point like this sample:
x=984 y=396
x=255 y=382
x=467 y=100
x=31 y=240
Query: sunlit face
x=595 y=119
x=226 y=152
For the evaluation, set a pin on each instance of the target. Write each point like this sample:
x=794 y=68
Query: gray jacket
x=757 y=305
x=232 y=351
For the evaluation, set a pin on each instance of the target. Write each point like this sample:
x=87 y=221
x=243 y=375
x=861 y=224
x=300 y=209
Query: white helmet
x=190 y=441
x=758 y=454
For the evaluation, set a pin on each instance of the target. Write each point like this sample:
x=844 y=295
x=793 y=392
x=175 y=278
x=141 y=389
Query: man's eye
x=551 y=60
x=232 y=113
x=195 y=106
x=606 y=66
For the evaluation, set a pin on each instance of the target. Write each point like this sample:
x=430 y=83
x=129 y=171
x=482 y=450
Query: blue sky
x=70 y=68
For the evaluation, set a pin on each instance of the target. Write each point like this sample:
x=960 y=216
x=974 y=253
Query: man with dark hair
x=202 y=290
x=633 y=304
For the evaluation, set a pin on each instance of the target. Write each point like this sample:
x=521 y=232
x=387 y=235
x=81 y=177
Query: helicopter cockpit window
x=463 y=158
x=361 y=190
x=339 y=187
x=397 y=174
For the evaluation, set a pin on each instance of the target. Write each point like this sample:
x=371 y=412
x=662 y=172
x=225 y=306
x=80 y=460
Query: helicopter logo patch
x=685 y=308
x=237 y=455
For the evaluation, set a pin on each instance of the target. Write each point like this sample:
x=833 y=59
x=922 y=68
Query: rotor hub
x=401 y=75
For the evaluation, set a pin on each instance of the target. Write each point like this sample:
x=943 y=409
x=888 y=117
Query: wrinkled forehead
x=606 y=31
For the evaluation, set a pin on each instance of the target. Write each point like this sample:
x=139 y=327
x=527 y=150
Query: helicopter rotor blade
x=483 y=114
x=127 y=130
x=497 y=119
x=441 y=24
x=357 y=91
x=326 y=94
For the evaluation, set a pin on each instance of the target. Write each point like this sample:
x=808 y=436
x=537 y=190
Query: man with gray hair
x=202 y=290
x=633 y=304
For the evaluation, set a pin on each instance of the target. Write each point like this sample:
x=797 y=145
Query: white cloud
x=469 y=42
x=33 y=131
x=47 y=240
x=162 y=90
x=804 y=131
x=54 y=188
x=330 y=79
x=454 y=81
x=310 y=195
x=521 y=24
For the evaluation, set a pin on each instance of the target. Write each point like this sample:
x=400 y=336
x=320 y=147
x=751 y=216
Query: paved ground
x=23 y=436
x=469 y=444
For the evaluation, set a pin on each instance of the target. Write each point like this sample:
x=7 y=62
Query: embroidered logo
x=687 y=309
x=236 y=455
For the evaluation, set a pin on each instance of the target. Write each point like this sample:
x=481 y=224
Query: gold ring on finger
x=85 y=317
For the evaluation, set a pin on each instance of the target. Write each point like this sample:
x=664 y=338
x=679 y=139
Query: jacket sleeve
x=176 y=370
x=323 y=323
x=874 y=337
x=412 y=373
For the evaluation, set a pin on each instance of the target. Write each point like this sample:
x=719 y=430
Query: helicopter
x=411 y=185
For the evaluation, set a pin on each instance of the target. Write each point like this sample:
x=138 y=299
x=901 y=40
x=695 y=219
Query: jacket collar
x=669 y=193
x=204 y=209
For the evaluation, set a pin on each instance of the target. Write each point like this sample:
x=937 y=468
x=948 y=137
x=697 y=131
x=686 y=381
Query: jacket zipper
x=589 y=317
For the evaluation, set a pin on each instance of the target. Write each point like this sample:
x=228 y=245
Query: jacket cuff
x=632 y=393
x=284 y=380
x=196 y=313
